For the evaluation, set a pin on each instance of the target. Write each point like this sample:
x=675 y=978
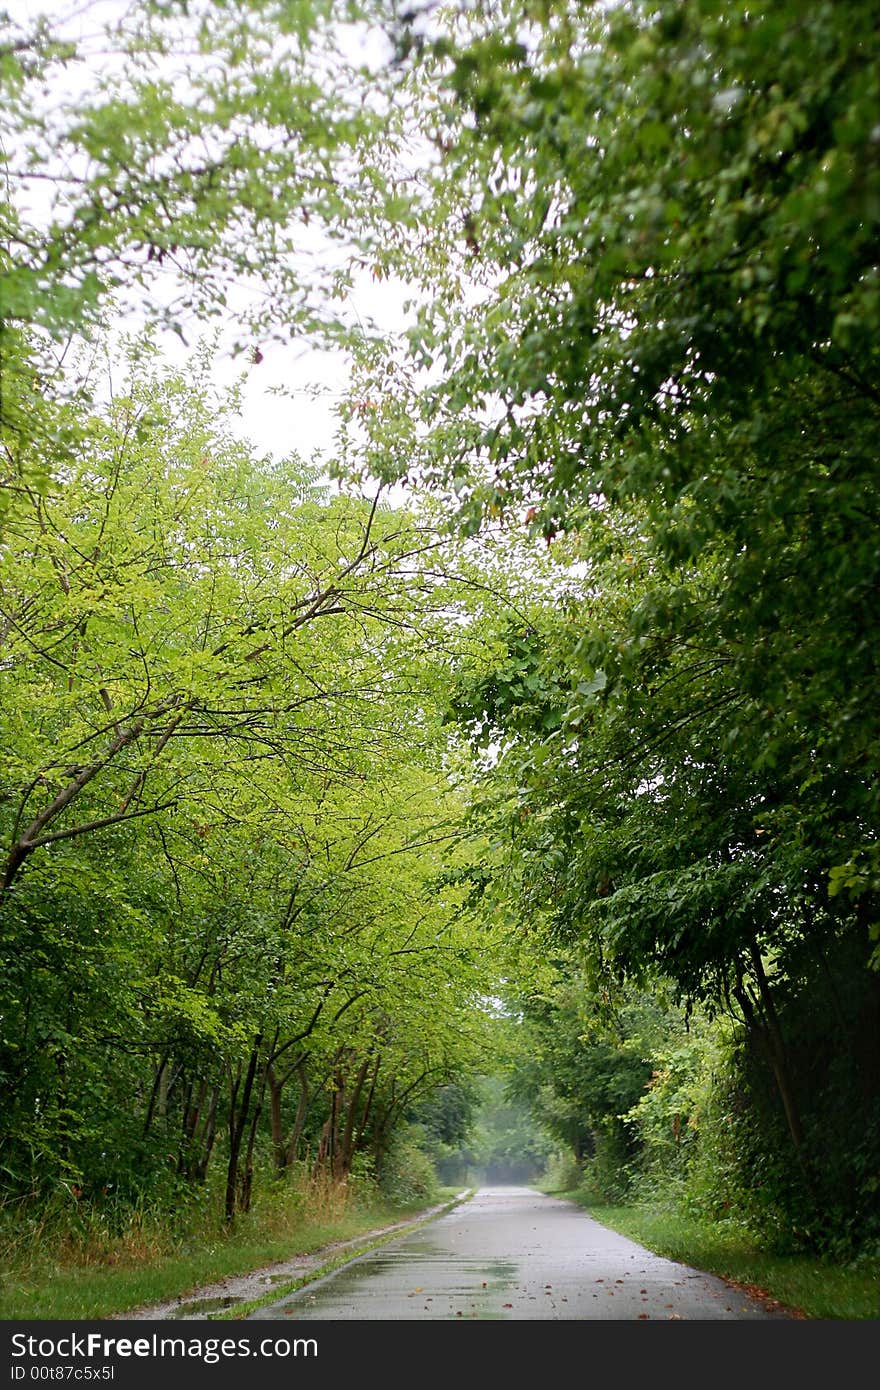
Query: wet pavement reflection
x=514 y=1253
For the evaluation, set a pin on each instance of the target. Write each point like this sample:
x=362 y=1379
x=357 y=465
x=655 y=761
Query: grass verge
x=60 y=1280
x=814 y=1288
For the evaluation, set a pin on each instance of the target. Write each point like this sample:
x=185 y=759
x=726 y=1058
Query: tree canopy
x=284 y=764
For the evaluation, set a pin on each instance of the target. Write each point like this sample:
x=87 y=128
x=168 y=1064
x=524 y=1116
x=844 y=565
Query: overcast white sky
x=304 y=421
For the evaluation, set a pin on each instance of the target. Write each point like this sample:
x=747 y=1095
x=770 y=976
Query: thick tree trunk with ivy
x=762 y=1022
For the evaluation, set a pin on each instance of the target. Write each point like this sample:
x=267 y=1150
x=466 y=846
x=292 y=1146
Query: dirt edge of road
x=241 y=1293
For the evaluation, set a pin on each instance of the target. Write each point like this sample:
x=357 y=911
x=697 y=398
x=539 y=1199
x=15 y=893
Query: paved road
x=513 y=1253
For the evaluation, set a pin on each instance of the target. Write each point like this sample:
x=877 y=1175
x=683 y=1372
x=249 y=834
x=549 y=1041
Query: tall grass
x=73 y=1260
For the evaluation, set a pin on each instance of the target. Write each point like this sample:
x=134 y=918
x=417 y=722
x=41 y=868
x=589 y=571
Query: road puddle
x=200 y=1306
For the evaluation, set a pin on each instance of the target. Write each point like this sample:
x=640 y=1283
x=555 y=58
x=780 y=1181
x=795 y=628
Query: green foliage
x=581 y=1063
x=831 y=1033
x=562 y=1174
x=194 y=147
x=511 y=1144
x=181 y=165
x=666 y=372
x=670 y=1116
x=407 y=1176
x=244 y=846
x=235 y=881
x=445 y=1124
x=707 y=1135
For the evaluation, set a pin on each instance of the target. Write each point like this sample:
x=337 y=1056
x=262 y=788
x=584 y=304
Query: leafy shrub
x=563 y=1173
x=406 y=1176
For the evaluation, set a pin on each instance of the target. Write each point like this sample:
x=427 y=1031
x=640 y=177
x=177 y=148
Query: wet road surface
x=513 y=1253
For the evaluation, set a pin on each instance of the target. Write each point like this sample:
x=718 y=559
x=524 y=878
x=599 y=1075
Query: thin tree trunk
x=368 y=1104
x=346 y=1147
x=188 y=1163
x=238 y=1115
x=299 y=1122
x=206 y=1139
x=154 y=1094
x=326 y=1156
x=246 y=1179
x=276 y=1091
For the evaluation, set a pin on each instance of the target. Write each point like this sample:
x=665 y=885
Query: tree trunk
x=328 y=1143
x=276 y=1090
x=158 y=1094
x=238 y=1117
x=768 y=1030
x=299 y=1122
x=189 y=1162
x=246 y=1177
x=346 y=1147
x=205 y=1140
x=779 y=1058
x=360 y=1142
